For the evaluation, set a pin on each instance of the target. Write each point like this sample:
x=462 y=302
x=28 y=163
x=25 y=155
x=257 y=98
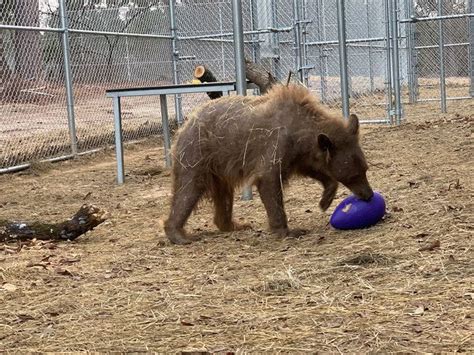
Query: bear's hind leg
x=223 y=198
x=187 y=194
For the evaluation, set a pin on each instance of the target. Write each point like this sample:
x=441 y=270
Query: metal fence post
x=175 y=59
x=410 y=53
x=276 y=40
x=341 y=29
x=471 y=46
x=304 y=46
x=255 y=42
x=371 y=70
x=442 y=74
x=321 y=50
x=388 y=34
x=240 y=77
x=396 y=62
x=68 y=76
x=221 y=29
x=297 y=35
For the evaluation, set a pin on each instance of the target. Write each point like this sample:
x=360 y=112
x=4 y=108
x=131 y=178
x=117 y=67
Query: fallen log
x=87 y=218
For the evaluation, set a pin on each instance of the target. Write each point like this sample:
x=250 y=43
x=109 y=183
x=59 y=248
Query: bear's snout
x=365 y=194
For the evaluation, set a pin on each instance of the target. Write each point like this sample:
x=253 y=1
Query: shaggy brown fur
x=263 y=141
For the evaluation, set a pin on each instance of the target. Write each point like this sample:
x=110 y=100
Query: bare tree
x=26 y=60
x=427 y=7
x=5 y=72
x=80 y=12
x=27 y=43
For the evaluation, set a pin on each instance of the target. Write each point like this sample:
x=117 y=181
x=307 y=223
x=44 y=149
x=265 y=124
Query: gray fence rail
x=58 y=58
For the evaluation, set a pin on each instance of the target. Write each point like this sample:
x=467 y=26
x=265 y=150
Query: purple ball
x=353 y=213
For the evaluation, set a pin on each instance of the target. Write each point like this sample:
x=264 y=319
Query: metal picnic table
x=162 y=91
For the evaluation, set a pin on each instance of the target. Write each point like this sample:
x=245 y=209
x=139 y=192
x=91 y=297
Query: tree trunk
x=28 y=53
x=5 y=72
x=28 y=46
x=259 y=76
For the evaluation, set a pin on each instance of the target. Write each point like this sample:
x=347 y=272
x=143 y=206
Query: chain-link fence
x=366 y=52
x=56 y=65
x=442 y=50
x=107 y=45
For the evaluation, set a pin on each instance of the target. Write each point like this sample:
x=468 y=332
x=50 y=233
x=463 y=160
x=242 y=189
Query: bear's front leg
x=271 y=194
x=330 y=188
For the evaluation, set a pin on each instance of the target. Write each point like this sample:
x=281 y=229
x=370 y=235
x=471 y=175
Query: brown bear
x=262 y=140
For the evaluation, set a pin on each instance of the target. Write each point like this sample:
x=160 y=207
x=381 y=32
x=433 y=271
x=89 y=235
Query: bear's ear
x=353 y=124
x=324 y=142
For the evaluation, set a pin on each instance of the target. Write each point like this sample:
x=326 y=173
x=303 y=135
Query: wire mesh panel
x=366 y=51
x=205 y=30
x=113 y=59
x=33 y=119
x=116 y=62
x=285 y=17
x=454 y=34
x=205 y=38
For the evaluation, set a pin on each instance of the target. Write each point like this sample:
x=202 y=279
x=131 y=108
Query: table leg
x=118 y=140
x=166 y=129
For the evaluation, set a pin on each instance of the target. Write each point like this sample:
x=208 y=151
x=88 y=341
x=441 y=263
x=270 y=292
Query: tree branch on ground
x=86 y=219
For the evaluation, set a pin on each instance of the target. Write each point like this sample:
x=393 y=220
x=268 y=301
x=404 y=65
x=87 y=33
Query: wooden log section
x=87 y=218
x=204 y=75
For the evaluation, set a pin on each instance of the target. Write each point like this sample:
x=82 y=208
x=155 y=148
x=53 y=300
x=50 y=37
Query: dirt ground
x=405 y=284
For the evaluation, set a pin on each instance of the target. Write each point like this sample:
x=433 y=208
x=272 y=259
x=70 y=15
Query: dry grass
x=124 y=287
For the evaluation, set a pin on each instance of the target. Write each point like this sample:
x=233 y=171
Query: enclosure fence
x=59 y=57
